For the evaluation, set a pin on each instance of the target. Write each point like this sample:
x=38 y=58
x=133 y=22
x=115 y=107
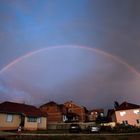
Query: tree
x=116 y=104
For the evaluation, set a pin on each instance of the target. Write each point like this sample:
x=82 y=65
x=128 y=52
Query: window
x=122 y=113
x=125 y=122
x=70 y=111
x=101 y=114
x=65 y=118
x=39 y=120
x=32 y=119
x=136 y=111
x=96 y=113
x=138 y=121
x=9 y=118
x=92 y=113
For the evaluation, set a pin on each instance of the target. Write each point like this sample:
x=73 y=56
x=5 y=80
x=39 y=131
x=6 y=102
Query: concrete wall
x=4 y=125
x=30 y=125
x=112 y=124
x=35 y=125
x=43 y=124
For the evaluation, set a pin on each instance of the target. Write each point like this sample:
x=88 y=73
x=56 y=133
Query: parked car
x=93 y=129
x=75 y=128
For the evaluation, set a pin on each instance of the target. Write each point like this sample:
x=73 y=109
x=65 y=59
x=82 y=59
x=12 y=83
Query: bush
x=106 y=129
x=122 y=128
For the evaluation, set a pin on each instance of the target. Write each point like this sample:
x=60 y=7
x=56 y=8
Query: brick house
x=126 y=113
x=54 y=111
x=13 y=115
x=76 y=112
x=67 y=112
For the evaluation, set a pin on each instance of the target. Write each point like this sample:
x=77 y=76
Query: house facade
x=126 y=113
x=13 y=115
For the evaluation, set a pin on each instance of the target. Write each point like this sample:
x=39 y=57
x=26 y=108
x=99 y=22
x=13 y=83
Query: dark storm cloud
x=62 y=74
x=118 y=28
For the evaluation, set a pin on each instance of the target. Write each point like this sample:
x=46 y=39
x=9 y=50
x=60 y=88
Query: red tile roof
x=51 y=103
x=18 y=108
x=127 y=106
x=97 y=110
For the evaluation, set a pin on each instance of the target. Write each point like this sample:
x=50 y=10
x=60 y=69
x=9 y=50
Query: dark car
x=93 y=129
x=75 y=128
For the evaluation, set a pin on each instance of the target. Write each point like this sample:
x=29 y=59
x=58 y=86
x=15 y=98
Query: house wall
x=129 y=115
x=42 y=124
x=55 y=117
x=4 y=125
x=30 y=125
x=53 y=112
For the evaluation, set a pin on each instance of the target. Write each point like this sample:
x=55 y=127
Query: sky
x=81 y=50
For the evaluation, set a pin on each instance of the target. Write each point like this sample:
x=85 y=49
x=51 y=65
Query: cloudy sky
x=87 y=51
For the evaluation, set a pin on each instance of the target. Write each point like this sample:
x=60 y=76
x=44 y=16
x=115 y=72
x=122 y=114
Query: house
x=126 y=113
x=94 y=114
x=13 y=115
x=75 y=112
x=67 y=112
x=54 y=111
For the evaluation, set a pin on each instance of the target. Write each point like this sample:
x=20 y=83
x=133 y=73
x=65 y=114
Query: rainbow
x=132 y=69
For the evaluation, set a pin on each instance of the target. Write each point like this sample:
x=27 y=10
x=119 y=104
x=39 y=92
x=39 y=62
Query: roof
x=85 y=109
x=18 y=108
x=51 y=103
x=127 y=106
x=73 y=103
x=100 y=110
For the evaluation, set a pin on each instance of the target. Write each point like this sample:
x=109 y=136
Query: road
x=68 y=134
